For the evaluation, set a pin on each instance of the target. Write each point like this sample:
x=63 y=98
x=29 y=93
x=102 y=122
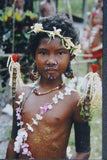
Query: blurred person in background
x=92 y=40
x=19 y=5
x=47 y=8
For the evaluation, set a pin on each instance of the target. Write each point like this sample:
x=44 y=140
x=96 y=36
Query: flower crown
x=66 y=41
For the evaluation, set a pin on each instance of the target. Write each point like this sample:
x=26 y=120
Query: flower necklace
x=22 y=135
x=51 y=90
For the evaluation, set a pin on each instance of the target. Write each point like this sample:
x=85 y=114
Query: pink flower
x=44 y=108
x=19 y=117
x=18 y=110
x=25 y=145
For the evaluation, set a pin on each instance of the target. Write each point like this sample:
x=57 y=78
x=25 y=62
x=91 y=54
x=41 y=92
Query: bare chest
x=58 y=112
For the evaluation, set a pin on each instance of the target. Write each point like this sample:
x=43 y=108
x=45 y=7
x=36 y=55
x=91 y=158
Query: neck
x=46 y=83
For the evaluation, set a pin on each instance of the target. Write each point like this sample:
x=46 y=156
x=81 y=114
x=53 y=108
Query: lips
x=50 y=69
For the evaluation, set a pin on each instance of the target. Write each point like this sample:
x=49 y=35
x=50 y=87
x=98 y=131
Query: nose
x=51 y=60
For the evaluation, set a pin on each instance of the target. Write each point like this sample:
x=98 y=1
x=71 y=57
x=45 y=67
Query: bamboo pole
x=13 y=26
x=69 y=9
x=64 y=6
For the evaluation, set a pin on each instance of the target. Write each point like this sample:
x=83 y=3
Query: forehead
x=100 y=1
x=47 y=42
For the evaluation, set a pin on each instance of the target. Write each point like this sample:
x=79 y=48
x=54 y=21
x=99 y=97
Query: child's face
x=97 y=20
x=51 y=58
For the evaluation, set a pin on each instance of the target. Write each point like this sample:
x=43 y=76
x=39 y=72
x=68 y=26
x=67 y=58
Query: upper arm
x=77 y=109
x=14 y=126
x=82 y=130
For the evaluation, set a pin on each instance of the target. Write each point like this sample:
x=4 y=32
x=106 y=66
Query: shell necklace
x=51 y=90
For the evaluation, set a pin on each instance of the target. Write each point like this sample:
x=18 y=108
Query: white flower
x=19 y=140
x=37 y=27
x=68 y=91
x=56 y=31
x=16 y=147
x=29 y=127
x=34 y=122
x=69 y=44
x=23 y=93
x=55 y=99
x=50 y=107
x=18 y=102
x=38 y=117
x=25 y=151
x=71 y=84
x=77 y=50
x=22 y=133
x=61 y=95
x=51 y=34
x=20 y=97
x=29 y=154
x=20 y=123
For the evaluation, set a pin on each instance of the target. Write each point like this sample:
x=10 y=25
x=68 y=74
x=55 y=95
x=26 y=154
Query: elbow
x=81 y=156
x=87 y=155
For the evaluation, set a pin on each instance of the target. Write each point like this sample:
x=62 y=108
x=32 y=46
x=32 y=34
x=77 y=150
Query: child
x=47 y=8
x=45 y=112
x=92 y=39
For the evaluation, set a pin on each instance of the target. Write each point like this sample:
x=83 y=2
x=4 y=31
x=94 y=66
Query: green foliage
x=76 y=6
x=21 y=27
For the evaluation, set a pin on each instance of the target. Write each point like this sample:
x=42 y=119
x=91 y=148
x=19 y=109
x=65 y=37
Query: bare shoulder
x=76 y=107
x=74 y=96
x=22 y=92
x=23 y=89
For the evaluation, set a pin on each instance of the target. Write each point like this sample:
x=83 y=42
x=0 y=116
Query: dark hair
x=60 y=22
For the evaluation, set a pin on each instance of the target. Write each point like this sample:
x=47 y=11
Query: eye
x=61 y=53
x=42 y=53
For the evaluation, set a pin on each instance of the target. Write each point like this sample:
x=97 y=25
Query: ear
x=72 y=57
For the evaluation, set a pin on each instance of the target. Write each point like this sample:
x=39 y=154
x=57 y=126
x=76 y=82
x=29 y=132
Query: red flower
x=94 y=67
x=15 y=57
x=94 y=14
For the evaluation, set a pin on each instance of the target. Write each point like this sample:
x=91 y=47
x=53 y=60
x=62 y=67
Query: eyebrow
x=44 y=49
x=56 y=49
x=61 y=49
